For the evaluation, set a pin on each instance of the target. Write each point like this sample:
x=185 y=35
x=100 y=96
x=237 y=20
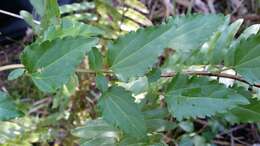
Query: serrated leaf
x=15 y=74
x=8 y=109
x=53 y=62
x=213 y=51
x=244 y=114
x=118 y=108
x=51 y=13
x=224 y=41
x=95 y=60
x=200 y=55
x=245 y=58
x=134 y=53
x=71 y=28
x=199 y=97
x=96 y=133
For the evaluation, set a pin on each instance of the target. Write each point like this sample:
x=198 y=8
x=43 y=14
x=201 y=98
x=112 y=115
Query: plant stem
x=11 y=66
x=165 y=75
x=16 y=16
x=205 y=73
x=190 y=7
x=92 y=71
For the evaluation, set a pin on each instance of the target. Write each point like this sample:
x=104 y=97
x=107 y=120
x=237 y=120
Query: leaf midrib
x=125 y=114
x=60 y=58
x=167 y=31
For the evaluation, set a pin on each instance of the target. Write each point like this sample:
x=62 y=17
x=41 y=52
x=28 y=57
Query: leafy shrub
x=142 y=97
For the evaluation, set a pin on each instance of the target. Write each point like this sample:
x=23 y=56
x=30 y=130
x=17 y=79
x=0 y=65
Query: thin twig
x=166 y=75
x=16 y=16
x=12 y=66
x=190 y=7
x=238 y=140
x=238 y=6
x=93 y=72
x=168 y=7
x=224 y=143
x=232 y=130
x=205 y=73
x=211 y=6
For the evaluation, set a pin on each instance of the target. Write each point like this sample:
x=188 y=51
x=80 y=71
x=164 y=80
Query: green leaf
x=71 y=87
x=211 y=52
x=154 y=75
x=20 y=131
x=118 y=108
x=70 y=28
x=95 y=60
x=187 y=126
x=132 y=142
x=159 y=113
x=136 y=86
x=38 y=6
x=244 y=113
x=133 y=54
x=53 y=62
x=199 y=97
x=245 y=58
x=61 y=99
x=28 y=18
x=223 y=42
x=186 y=141
x=8 y=109
x=160 y=125
x=251 y=30
x=96 y=133
x=51 y=14
x=82 y=17
x=197 y=56
x=74 y=7
x=129 y=141
x=137 y=5
x=15 y=74
x=135 y=15
x=101 y=82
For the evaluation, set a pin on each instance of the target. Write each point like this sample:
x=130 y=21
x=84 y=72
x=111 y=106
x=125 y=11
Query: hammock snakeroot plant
x=187 y=83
